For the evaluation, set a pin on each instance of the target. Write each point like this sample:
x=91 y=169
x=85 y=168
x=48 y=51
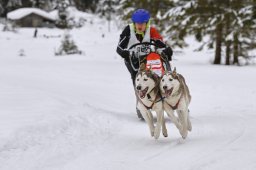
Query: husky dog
x=149 y=98
x=176 y=97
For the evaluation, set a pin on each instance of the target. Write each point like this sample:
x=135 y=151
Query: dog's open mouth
x=168 y=92
x=142 y=93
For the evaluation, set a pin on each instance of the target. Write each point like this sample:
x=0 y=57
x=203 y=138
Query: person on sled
x=140 y=31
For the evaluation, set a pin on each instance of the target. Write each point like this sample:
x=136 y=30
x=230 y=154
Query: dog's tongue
x=168 y=92
x=141 y=94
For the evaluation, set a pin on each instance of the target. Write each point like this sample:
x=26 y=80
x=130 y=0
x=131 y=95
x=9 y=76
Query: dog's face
x=169 y=84
x=144 y=83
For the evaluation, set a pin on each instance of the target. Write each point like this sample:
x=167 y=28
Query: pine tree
x=228 y=24
x=63 y=14
x=107 y=9
x=42 y=4
x=68 y=46
x=1 y=8
x=86 y=5
x=13 y=4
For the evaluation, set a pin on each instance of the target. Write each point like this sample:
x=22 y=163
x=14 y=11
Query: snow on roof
x=22 y=12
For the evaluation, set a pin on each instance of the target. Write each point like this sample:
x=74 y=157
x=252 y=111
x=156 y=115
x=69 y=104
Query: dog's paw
x=184 y=133
x=152 y=133
x=165 y=134
x=157 y=133
x=164 y=131
x=189 y=126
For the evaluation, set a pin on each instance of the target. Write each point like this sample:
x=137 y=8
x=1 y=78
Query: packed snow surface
x=78 y=111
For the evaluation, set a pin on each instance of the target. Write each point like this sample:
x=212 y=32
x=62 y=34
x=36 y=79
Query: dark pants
x=132 y=72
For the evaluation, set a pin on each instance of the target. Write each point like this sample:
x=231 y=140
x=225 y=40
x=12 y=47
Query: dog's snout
x=138 y=87
x=164 y=87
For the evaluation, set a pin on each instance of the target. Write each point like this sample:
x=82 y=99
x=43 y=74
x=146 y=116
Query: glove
x=168 y=53
x=159 y=44
x=125 y=54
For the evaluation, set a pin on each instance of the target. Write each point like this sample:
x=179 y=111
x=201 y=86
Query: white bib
x=140 y=49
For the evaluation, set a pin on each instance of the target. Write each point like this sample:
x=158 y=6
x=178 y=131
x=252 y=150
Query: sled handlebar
x=155 y=48
x=142 y=43
x=137 y=55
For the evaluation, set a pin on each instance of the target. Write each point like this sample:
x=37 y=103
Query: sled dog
x=149 y=99
x=176 y=97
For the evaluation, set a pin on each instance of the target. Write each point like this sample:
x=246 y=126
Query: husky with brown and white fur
x=149 y=99
x=176 y=97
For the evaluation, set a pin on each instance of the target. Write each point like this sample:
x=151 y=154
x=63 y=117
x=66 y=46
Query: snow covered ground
x=78 y=112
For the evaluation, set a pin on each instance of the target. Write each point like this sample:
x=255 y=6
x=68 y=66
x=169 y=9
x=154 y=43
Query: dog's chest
x=173 y=101
x=150 y=100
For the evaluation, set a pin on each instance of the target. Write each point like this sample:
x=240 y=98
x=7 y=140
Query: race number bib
x=142 y=50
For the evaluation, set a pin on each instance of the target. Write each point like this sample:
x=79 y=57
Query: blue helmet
x=140 y=16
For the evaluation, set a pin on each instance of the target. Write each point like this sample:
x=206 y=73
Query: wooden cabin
x=31 y=17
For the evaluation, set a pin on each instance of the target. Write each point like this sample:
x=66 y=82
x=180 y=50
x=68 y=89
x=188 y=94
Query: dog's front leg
x=150 y=116
x=164 y=129
x=158 y=124
x=159 y=114
x=170 y=113
x=189 y=123
x=149 y=119
x=183 y=116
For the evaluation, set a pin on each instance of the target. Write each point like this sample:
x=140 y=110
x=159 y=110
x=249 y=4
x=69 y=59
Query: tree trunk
x=228 y=44
x=235 y=49
x=217 y=59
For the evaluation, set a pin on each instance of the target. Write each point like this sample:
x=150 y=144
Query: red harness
x=176 y=106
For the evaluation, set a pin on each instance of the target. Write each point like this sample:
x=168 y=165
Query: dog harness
x=176 y=106
x=157 y=99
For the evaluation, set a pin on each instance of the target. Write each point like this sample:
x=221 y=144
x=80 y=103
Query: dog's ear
x=142 y=67
x=174 y=73
x=156 y=78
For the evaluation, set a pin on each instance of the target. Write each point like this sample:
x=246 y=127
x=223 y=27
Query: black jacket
x=124 y=41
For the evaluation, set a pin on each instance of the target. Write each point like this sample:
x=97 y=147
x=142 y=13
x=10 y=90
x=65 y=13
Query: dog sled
x=150 y=54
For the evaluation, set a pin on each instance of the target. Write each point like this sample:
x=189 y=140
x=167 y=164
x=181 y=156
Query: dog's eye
x=163 y=80
x=145 y=79
x=170 y=79
x=137 y=79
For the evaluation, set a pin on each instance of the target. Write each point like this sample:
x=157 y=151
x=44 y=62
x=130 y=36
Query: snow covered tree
x=42 y=4
x=87 y=5
x=226 y=24
x=13 y=4
x=68 y=46
x=1 y=8
x=63 y=14
x=107 y=8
